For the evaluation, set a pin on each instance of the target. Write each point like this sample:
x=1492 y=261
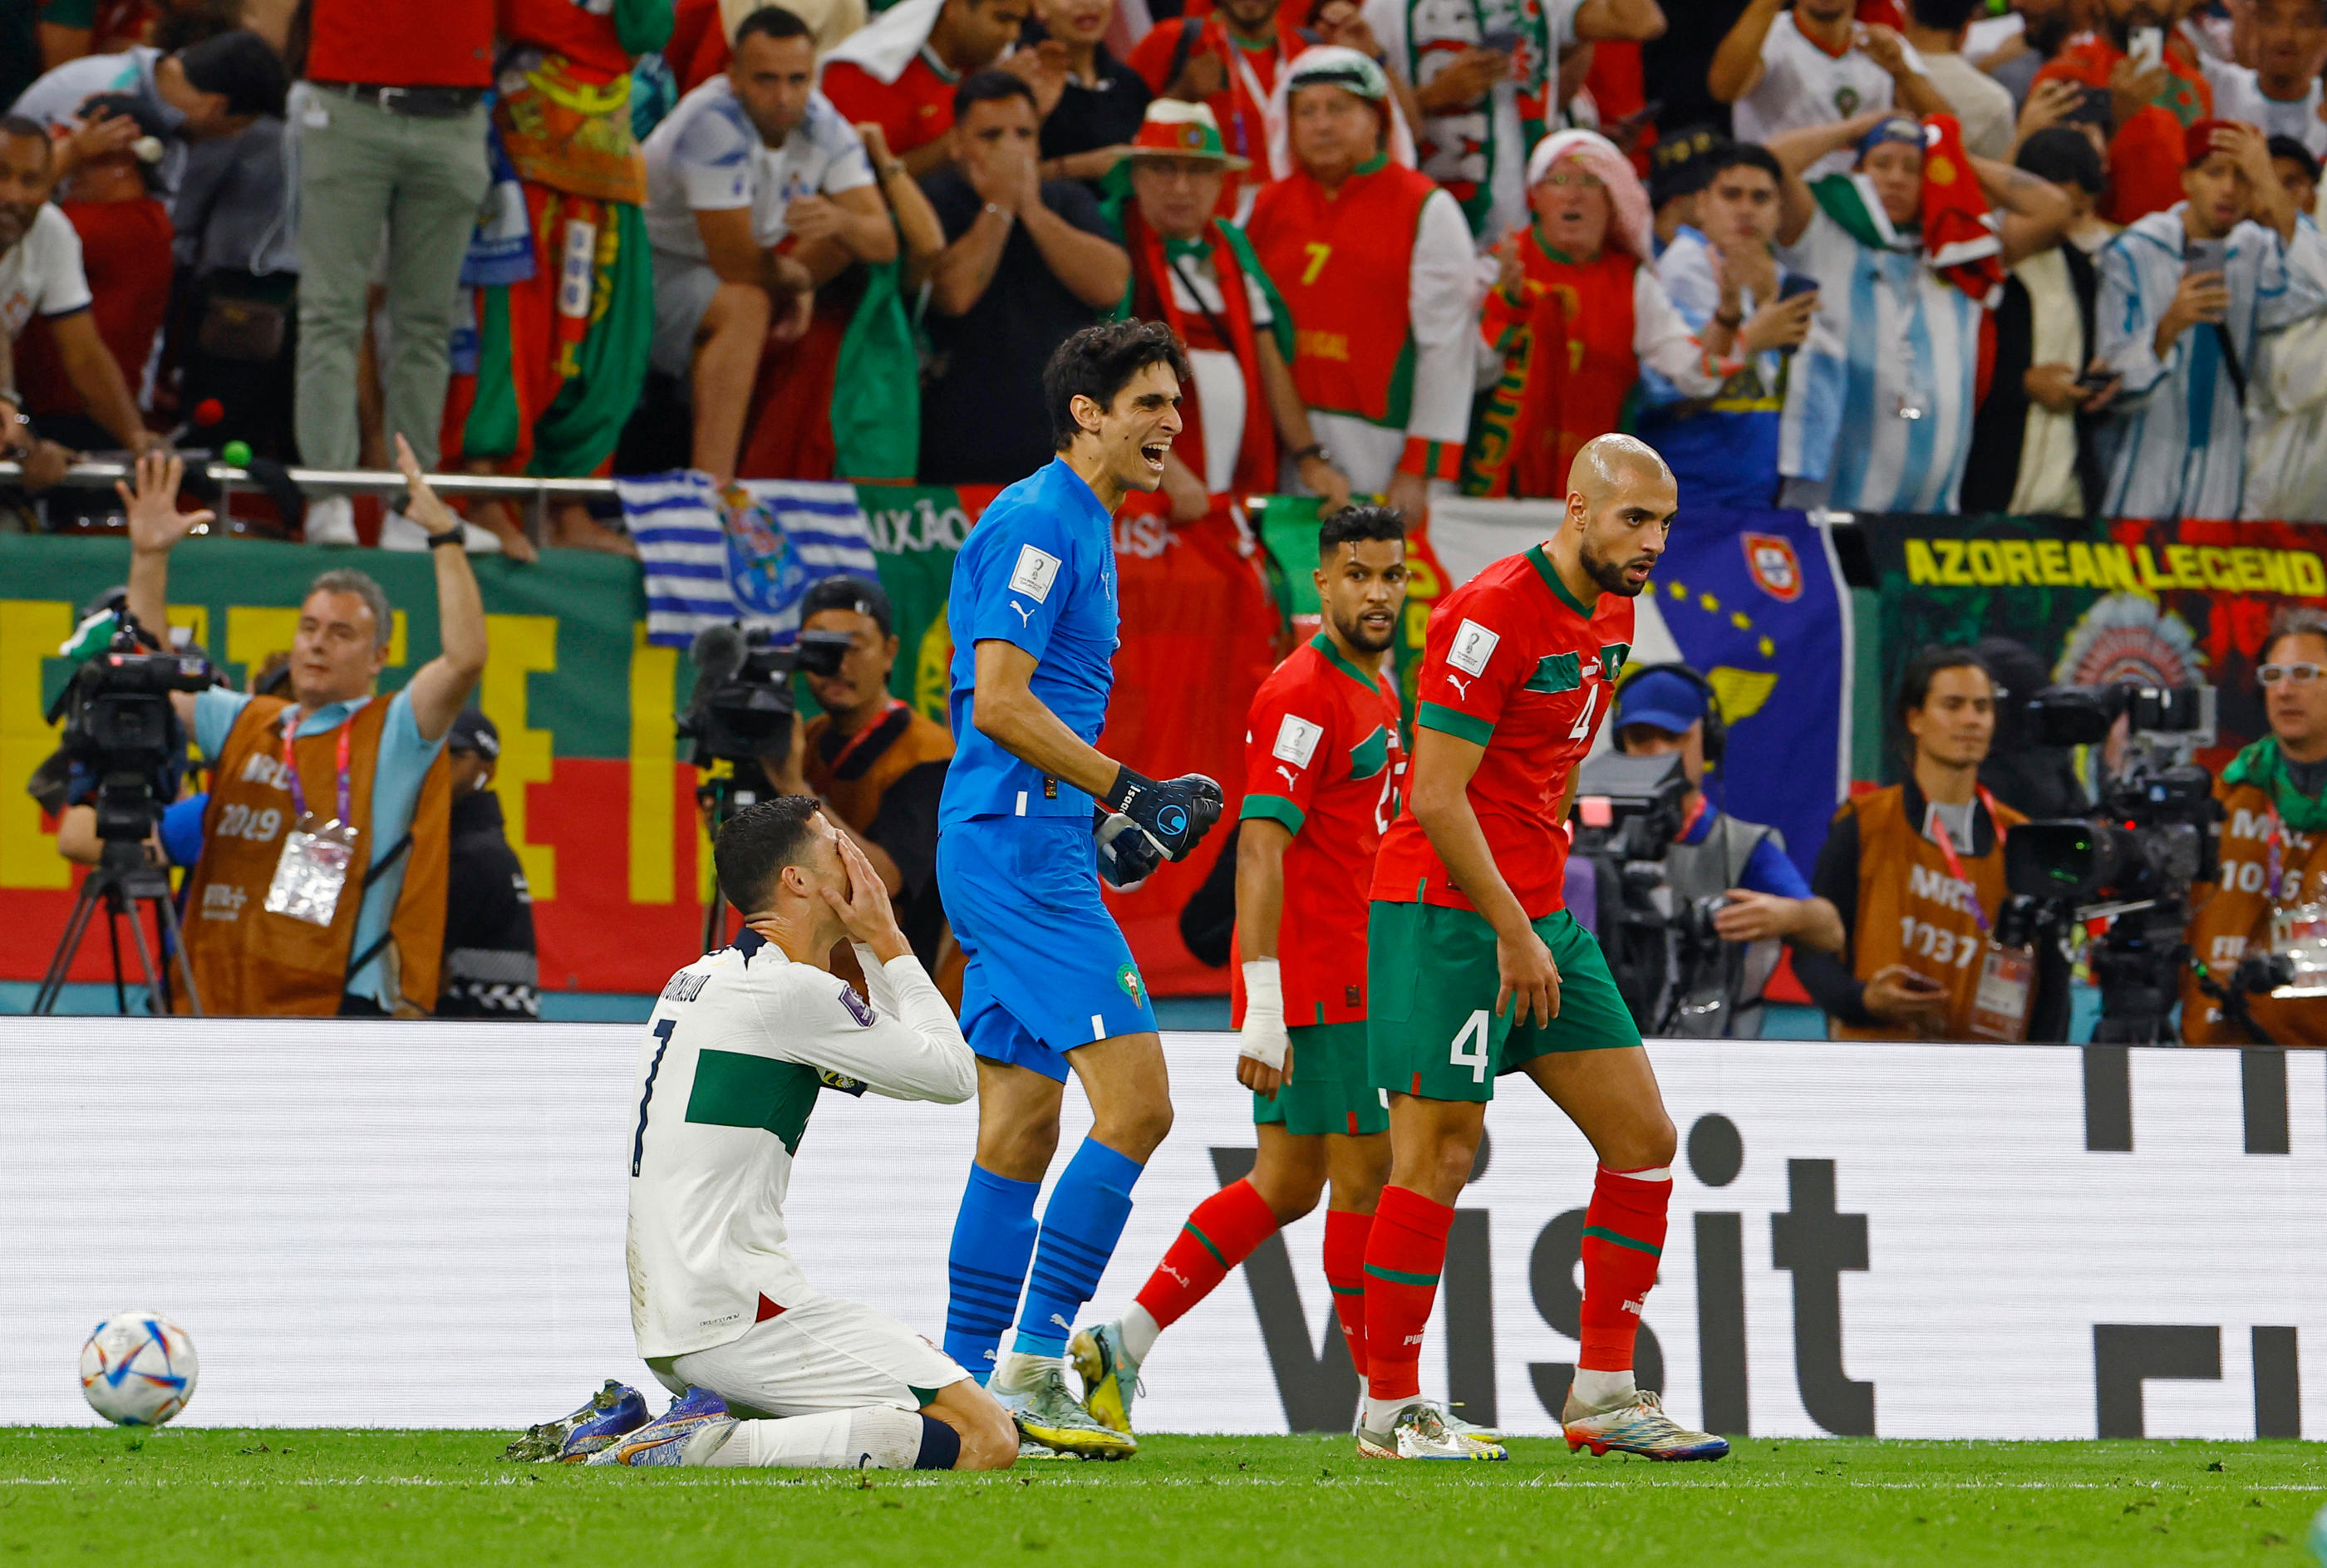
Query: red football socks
x=1220 y=1235
x=1624 y=1236
x=1345 y=1270
x=1406 y=1251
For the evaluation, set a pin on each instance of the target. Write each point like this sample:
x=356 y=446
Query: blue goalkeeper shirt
x=1039 y=572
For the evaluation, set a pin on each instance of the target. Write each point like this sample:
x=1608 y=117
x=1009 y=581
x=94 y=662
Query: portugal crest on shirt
x=1777 y=570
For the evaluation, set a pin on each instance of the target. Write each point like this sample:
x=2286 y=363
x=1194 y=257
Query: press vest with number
x=1913 y=913
x=247 y=962
x=1343 y=261
x=2235 y=919
x=1728 y=1005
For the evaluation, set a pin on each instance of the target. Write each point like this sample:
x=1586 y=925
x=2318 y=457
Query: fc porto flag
x=1752 y=601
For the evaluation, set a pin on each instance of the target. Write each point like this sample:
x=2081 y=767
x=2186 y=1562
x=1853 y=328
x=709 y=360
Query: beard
x=1609 y=575
x=1354 y=632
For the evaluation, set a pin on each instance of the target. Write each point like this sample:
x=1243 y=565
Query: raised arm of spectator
x=917 y=227
x=1911 y=90
x=1095 y=270
x=90 y=367
x=839 y=229
x=730 y=250
x=2036 y=212
x=156 y=526
x=1799 y=150
x=1736 y=68
x=1443 y=314
x=441 y=688
x=2273 y=205
x=1619 y=21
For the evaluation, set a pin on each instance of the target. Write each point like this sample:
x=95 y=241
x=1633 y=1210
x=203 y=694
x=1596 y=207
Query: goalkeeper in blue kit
x=1031 y=817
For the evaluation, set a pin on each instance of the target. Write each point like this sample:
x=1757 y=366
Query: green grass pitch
x=445 y=1499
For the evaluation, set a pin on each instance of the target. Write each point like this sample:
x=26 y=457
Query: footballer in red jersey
x=1324 y=768
x=1479 y=970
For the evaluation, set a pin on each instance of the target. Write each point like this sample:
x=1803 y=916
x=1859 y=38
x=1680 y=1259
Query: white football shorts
x=821 y=1353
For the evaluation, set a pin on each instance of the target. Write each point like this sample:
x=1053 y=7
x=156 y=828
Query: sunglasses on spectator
x=2270 y=675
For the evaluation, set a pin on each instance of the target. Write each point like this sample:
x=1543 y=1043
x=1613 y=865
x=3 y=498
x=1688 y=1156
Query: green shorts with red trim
x=1440 y=1038
x=1328 y=1089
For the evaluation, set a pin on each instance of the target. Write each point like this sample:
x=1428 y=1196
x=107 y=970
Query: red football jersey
x=914 y=109
x=1322 y=757
x=1512 y=662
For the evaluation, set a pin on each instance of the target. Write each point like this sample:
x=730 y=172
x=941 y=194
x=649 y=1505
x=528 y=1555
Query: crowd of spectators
x=2057 y=259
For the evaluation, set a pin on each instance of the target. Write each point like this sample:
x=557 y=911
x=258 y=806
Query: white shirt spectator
x=1220 y=381
x=42 y=274
x=1802 y=85
x=56 y=98
x=1982 y=104
x=707 y=156
x=2239 y=96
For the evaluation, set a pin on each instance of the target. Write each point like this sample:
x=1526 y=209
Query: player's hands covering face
x=866 y=912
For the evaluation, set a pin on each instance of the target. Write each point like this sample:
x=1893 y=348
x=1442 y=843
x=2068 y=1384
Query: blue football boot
x=613 y=1410
x=689 y=1432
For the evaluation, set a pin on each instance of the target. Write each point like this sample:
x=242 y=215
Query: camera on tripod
x=742 y=712
x=1628 y=813
x=2150 y=836
x=121 y=735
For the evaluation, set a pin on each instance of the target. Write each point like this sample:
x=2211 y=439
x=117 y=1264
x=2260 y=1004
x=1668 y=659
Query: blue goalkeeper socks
x=993 y=1237
x=1084 y=1220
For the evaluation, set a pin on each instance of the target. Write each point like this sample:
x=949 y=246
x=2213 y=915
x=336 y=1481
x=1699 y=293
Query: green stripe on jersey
x=1604 y=1234
x=733 y=1088
x=1453 y=722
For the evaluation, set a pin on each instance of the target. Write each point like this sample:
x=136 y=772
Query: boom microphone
x=718 y=651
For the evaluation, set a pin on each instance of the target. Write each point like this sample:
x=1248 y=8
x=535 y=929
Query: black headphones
x=1716 y=728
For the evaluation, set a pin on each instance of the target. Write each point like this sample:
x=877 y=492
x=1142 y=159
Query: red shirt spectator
x=901 y=70
x=402 y=43
x=2144 y=156
x=1228 y=60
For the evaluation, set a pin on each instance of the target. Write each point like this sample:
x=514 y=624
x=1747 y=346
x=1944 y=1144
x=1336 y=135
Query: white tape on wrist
x=1263 y=1037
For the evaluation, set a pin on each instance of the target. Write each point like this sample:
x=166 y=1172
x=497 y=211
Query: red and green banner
x=597 y=796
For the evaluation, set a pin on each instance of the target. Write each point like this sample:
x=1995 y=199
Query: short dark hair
x=1942 y=15
x=241 y=65
x=2295 y=153
x=772 y=22
x=855 y=595
x=1351 y=524
x=1745 y=155
x=987 y=86
x=26 y=129
x=757 y=843
x=2065 y=156
x=1100 y=362
x=1915 y=684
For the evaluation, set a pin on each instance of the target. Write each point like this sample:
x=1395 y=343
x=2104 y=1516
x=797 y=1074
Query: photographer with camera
x=321 y=881
x=2273 y=881
x=878 y=765
x=1916 y=872
x=1738 y=869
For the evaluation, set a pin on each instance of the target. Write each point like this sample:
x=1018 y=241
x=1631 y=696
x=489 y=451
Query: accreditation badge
x=311 y=870
x=2299 y=935
x=1999 y=1008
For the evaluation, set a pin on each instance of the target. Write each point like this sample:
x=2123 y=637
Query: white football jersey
x=741 y=1043
x=1802 y=85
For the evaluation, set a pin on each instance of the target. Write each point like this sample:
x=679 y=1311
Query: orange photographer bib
x=1916 y=912
x=2234 y=918
x=250 y=963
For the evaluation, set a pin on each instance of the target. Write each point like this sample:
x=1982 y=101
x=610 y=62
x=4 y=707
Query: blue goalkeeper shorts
x=1047 y=967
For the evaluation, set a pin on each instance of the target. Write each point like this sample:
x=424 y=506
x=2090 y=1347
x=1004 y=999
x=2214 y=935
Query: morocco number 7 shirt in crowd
x=1322 y=757
x=1513 y=663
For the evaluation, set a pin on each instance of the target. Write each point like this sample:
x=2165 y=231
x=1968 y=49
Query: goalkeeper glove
x=1126 y=855
x=1263 y=1037
x=1176 y=814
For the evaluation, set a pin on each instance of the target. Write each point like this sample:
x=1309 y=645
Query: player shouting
x=1323 y=764
x=1477 y=970
x=1049 y=980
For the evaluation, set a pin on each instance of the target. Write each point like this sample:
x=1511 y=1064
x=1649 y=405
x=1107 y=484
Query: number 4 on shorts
x=1474 y=1029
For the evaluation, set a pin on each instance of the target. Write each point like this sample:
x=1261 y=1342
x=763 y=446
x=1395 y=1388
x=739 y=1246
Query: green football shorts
x=1431 y=1026
x=1329 y=1090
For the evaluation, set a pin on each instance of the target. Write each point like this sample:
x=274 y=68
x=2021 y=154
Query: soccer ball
x=138 y=1370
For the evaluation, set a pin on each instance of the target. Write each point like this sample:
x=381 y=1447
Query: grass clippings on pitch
x=207 y=1495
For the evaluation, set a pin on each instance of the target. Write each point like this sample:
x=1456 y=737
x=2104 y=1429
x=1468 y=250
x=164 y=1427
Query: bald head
x=1605 y=462
x=1621 y=503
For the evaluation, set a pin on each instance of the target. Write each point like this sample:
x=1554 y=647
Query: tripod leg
x=145 y=964
x=166 y=911
x=53 y=984
x=113 y=934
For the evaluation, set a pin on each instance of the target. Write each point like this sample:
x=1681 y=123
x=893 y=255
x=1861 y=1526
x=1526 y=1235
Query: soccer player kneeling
x=740 y=1045
x=1477 y=970
x=1322 y=765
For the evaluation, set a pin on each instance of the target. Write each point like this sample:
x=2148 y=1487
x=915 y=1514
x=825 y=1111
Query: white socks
x=1598 y=1391
x=1380 y=1412
x=876 y=1437
x=1018 y=1370
x=1139 y=1330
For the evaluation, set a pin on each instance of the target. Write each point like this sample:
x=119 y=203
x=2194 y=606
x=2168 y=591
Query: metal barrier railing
x=534 y=493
